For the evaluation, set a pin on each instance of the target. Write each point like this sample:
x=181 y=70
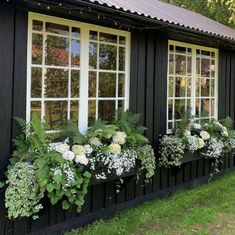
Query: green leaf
x=58 y=178
x=50 y=188
x=43 y=183
x=66 y=205
x=54 y=199
x=87 y=174
x=2 y=184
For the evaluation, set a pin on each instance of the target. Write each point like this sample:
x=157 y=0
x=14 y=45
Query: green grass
x=208 y=209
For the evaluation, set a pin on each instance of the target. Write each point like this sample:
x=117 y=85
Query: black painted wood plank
x=200 y=168
x=87 y=207
x=172 y=176
x=6 y=81
x=98 y=196
x=110 y=194
x=121 y=195
x=187 y=171
x=148 y=188
x=130 y=188
x=193 y=170
x=179 y=175
x=156 y=180
x=139 y=187
x=206 y=164
x=164 y=177
x=21 y=226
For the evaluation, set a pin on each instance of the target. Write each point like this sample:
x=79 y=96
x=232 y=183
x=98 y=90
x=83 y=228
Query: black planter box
x=190 y=157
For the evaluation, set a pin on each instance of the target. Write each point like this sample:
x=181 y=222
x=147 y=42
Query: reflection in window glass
x=93 y=55
x=108 y=57
x=36 y=82
x=75 y=53
x=57 y=28
x=190 y=86
x=106 y=109
x=106 y=37
x=37 y=25
x=57 y=51
x=36 y=108
x=75 y=83
x=74 y=110
x=107 y=85
x=37 y=41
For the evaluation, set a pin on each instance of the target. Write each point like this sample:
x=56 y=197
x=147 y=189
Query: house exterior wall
x=148 y=96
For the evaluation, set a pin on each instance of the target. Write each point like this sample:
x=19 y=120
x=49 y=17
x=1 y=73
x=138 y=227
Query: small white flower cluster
x=78 y=153
x=192 y=143
x=119 y=137
x=113 y=163
x=214 y=148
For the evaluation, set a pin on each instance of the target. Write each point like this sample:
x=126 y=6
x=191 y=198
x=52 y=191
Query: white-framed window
x=192 y=82
x=76 y=71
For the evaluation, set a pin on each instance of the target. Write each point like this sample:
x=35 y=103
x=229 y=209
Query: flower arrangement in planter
x=210 y=140
x=62 y=171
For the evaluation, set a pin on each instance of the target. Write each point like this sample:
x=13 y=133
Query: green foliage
x=23 y=194
x=33 y=141
x=2 y=184
x=227 y=122
x=70 y=130
x=146 y=156
x=183 y=124
x=129 y=123
x=62 y=180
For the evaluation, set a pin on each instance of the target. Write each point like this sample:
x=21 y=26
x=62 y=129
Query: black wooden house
x=83 y=59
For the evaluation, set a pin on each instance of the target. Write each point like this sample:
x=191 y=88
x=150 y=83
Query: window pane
x=36 y=82
x=107 y=85
x=171 y=64
x=57 y=51
x=75 y=32
x=205 y=87
x=56 y=83
x=92 y=84
x=91 y=112
x=180 y=87
x=122 y=58
x=74 y=110
x=93 y=55
x=197 y=107
x=212 y=87
x=170 y=110
x=36 y=108
x=106 y=109
x=75 y=53
x=180 y=66
x=108 y=57
x=212 y=68
x=37 y=25
x=171 y=48
x=205 y=67
x=205 y=108
x=170 y=87
x=189 y=87
x=37 y=42
x=75 y=83
x=93 y=35
x=57 y=28
x=121 y=85
x=198 y=67
x=122 y=40
x=189 y=66
x=55 y=114
x=121 y=104
x=179 y=108
x=181 y=50
x=106 y=37
x=197 y=87
x=212 y=107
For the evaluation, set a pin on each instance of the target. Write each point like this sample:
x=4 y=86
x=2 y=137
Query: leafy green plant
x=23 y=194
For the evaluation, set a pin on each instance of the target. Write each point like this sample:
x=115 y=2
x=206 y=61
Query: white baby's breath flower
x=119 y=137
x=200 y=143
x=88 y=149
x=82 y=159
x=114 y=148
x=95 y=141
x=62 y=148
x=205 y=135
x=78 y=149
x=68 y=155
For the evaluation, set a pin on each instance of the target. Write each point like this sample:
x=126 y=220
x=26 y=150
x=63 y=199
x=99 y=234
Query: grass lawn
x=208 y=209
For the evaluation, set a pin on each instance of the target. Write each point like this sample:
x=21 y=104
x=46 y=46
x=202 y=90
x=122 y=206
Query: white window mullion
x=193 y=82
x=84 y=74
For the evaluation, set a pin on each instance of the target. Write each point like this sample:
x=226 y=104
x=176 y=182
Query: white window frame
x=194 y=47
x=84 y=64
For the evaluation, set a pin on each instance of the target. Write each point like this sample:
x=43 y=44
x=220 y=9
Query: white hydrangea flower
x=200 y=143
x=192 y=143
x=187 y=133
x=88 y=149
x=119 y=137
x=225 y=133
x=68 y=155
x=62 y=148
x=78 y=149
x=95 y=141
x=196 y=126
x=82 y=159
x=205 y=135
x=114 y=148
